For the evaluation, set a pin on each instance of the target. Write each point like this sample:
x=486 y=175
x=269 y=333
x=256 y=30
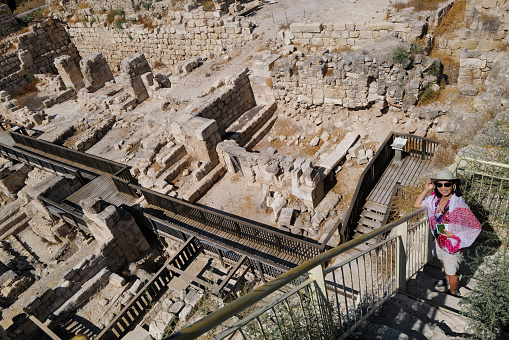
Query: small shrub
x=416 y=47
x=207 y=5
x=428 y=95
x=146 y=5
x=158 y=64
x=92 y=20
x=130 y=36
x=158 y=16
x=490 y=23
x=436 y=69
x=146 y=22
x=119 y=22
x=487 y=303
x=400 y=54
x=83 y=5
x=418 y=5
x=113 y=13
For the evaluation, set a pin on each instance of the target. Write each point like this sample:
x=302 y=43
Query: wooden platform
x=407 y=173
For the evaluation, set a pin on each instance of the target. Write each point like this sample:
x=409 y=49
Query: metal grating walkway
x=103 y=187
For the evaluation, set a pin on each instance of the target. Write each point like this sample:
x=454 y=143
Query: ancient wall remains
x=354 y=79
x=486 y=28
x=183 y=35
x=199 y=125
x=402 y=24
x=33 y=52
x=351 y=35
x=8 y=23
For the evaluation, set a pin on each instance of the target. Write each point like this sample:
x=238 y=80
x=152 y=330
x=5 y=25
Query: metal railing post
x=317 y=274
x=430 y=243
x=402 y=232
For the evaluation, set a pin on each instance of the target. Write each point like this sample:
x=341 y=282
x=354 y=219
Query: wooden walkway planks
x=407 y=173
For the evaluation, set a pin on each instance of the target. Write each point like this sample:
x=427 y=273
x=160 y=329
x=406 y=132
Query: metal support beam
x=401 y=231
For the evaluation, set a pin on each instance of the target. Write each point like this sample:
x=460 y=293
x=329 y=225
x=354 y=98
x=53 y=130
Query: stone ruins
x=263 y=113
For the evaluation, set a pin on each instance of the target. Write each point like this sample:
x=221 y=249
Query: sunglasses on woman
x=447 y=185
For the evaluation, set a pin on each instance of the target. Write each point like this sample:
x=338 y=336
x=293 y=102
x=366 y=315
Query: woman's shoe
x=456 y=294
x=441 y=283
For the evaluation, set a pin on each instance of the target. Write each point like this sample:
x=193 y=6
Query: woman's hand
x=420 y=198
x=447 y=234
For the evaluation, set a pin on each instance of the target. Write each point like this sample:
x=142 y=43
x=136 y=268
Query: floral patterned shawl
x=462 y=222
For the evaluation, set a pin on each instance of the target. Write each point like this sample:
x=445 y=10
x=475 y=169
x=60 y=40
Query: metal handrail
x=354 y=209
x=313 y=248
x=216 y=318
x=98 y=163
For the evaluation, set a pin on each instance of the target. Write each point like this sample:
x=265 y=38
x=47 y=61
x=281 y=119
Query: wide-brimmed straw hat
x=444 y=175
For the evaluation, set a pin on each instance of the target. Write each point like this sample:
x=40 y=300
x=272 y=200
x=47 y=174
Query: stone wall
x=8 y=23
x=486 y=28
x=180 y=36
x=351 y=35
x=356 y=80
x=230 y=101
x=402 y=24
x=199 y=125
x=35 y=51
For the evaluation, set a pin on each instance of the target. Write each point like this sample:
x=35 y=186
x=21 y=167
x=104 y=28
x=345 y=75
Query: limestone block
x=285 y=217
x=138 y=333
x=277 y=205
x=186 y=312
x=176 y=307
x=312 y=27
x=261 y=200
x=469 y=90
x=96 y=71
x=69 y=72
x=158 y=327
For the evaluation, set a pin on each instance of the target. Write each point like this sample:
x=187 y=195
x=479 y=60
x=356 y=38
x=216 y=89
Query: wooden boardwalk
x=407 y=173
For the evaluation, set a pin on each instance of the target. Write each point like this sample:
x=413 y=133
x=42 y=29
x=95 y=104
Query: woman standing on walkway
x=452 y=224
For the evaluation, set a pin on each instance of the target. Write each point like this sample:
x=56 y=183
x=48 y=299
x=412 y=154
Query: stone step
x=376 y=207
x=17 y=228
x=250 y=123
x=415 y=319
x=258 y=136
x=172 y=173
x=11 y=222
x=165 y=160
x=9 y=210
x=374 y=331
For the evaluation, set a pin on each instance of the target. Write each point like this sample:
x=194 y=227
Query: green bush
x=119 y=22
x=400 y=54
x=436 y=69
x=146 y=5
x=428 y=95
x=487 y=303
